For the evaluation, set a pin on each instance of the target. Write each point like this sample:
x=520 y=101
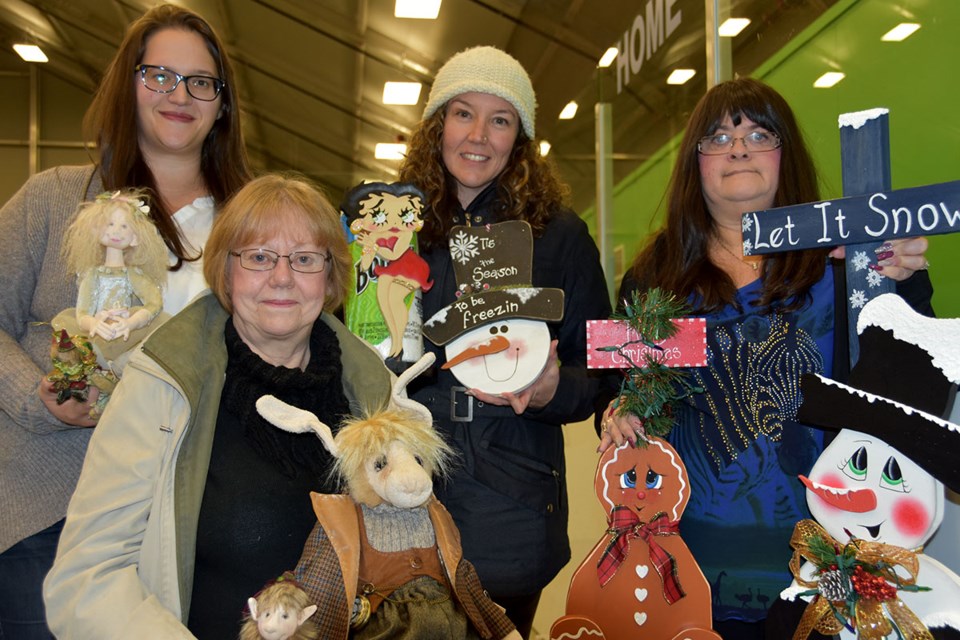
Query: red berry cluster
x=872 y=586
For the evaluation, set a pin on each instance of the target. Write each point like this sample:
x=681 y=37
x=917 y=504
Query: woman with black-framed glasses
x=188 y=152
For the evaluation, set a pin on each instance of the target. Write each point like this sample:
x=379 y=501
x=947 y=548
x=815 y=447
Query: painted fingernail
x=883 y=255
x=886 y=246
x=875 y=267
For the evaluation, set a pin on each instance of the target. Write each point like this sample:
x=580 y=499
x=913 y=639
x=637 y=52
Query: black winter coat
x=508 y=492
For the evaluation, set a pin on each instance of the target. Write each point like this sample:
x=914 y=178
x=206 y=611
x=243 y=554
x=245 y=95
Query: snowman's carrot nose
x=496 y=344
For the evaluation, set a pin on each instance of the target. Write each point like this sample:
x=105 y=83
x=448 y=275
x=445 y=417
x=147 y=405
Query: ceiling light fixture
x=900 y=32
x=608 y=57
x=544 y=148
x=732 y=27
x=828 y=79
x=30 y=52
x=569 y=111
x=390 y=151
x=680 y=76
x=401 y=92
x=420 y=9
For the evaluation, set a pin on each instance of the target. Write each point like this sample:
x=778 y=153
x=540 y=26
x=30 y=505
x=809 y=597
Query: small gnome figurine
x=75 y=370
x=281 y=611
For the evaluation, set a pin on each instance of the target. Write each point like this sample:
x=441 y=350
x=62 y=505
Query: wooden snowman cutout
x=881 y=480
x=495 y=334
x=640 y=580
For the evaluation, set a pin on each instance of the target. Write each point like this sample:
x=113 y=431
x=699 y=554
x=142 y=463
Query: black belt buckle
x=468 y=400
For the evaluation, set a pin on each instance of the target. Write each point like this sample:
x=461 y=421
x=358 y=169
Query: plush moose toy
x=385 y=558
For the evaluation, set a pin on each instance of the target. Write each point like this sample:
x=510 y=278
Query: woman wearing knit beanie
x=475 y=158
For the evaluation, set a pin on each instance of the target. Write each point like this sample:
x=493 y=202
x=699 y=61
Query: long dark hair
x=111 y=123
x=676 y=257
x=529 y=188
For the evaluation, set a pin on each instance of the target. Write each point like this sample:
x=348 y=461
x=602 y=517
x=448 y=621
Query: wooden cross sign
x=870 y=214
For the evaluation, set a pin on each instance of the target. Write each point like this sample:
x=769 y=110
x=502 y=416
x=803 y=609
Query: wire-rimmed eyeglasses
x=755 y=141
x=163 y=80
x=266 y=260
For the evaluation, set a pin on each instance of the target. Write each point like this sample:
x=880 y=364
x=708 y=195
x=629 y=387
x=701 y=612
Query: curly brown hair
x=529 y=188
x=676 y=257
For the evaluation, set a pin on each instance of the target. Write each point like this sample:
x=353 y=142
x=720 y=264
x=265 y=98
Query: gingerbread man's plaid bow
x=624 y=525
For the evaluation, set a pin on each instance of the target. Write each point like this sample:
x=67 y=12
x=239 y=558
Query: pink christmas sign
x=687 y=348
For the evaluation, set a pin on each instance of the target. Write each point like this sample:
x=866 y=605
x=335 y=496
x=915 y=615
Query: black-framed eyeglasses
x=755 y=141
x=163 y=80
x=266 y=260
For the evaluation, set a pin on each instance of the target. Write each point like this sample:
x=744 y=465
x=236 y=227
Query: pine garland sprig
x=650 y=389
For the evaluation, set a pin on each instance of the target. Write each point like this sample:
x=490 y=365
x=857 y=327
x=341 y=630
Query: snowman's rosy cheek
x=911 y=517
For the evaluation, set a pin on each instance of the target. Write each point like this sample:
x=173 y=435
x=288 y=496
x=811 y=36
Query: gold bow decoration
x=857 y=586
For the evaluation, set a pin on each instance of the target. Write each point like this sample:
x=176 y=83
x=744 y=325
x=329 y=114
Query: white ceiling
x=311 y=72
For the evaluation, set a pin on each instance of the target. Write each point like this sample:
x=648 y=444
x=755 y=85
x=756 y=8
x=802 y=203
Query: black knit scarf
x=318 y=390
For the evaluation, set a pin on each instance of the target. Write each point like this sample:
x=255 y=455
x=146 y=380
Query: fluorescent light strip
x=30 y=52
x=732 y=27
x=828 y=79
x=418 y=9
x=569 y=111
x=390 y=151
x=900 y=32
x=608 y=57
x=681 y=76
x=401 y=92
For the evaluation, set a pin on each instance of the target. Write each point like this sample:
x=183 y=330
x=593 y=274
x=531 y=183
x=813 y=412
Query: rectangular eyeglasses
x=163 y=80
x=266 y=260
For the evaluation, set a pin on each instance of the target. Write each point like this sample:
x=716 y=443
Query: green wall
x=918 y=80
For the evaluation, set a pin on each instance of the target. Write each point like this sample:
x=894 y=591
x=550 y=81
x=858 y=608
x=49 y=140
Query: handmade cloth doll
x=121 y=263
x=281 y=611
x=385 y=559
x=877 y=491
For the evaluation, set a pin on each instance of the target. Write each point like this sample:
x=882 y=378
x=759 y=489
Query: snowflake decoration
x=858 y=299
x=463 y=247
x=746 y=223
x=860 y=261
x=747 y=248
x=874 y=278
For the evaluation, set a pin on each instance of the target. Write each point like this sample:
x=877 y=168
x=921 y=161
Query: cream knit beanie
x=485 y=70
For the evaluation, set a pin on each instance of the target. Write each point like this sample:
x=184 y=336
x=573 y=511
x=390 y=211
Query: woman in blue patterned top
x=770 y=319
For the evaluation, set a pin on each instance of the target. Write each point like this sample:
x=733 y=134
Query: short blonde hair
x=259 y=211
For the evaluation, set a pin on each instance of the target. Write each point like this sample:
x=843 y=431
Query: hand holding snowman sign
x=495 y=333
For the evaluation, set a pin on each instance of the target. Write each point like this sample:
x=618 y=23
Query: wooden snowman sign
x=877 y=491
x=495 y=333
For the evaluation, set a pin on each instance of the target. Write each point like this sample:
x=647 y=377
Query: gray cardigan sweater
x=40 y=457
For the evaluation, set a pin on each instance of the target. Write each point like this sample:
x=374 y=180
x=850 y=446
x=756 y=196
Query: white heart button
x=642 y=570
x=641 y=594
x=640 y=618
